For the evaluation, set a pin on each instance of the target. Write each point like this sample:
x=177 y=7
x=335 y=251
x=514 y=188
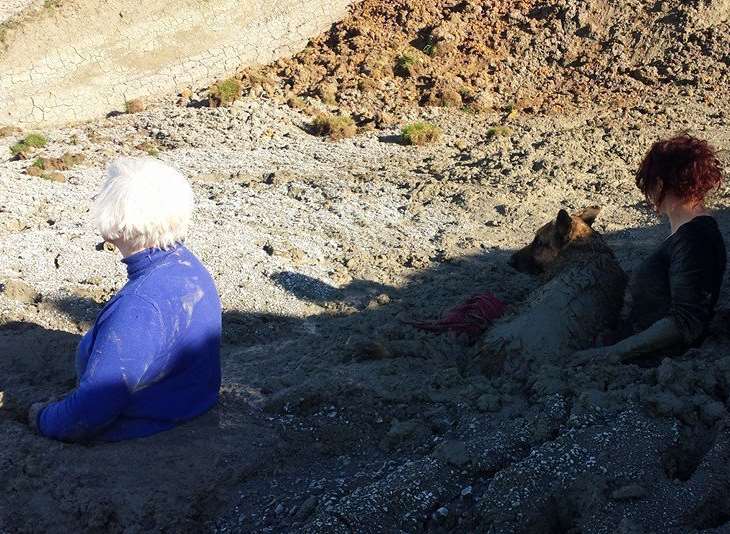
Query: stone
x=712 y=411
x=105 y=246
x=399 y=432
x=488 y=403
x=7 y=131
x=307 y=507
x=55 y=176
x=628 y=492
x=452 y=452
x=135 y=106
x=34 y=170
x=19 y=291
x=664 y=372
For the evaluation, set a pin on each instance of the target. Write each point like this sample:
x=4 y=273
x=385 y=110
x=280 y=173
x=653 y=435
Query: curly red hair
x=683 y=165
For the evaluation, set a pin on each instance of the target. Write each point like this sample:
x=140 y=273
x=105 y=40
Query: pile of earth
x=536 y=55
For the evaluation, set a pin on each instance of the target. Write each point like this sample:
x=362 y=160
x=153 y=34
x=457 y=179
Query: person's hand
x=597 y=355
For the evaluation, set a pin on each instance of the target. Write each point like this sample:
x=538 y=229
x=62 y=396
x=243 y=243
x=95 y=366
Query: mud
x=536 y=56
x=335 y=415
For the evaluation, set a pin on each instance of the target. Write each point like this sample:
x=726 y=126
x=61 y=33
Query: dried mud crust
x=543 y=56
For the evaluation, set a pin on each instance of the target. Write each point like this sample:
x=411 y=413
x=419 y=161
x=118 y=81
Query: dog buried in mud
x=581 y=297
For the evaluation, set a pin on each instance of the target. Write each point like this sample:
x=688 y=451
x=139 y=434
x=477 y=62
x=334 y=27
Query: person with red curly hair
x=670 y=299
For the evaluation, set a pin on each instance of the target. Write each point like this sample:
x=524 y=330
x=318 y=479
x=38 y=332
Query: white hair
x=143 y=203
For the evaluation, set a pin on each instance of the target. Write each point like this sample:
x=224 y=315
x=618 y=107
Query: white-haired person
x=152 y=358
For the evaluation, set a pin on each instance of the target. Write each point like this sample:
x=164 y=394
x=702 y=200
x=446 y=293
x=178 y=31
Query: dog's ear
x=588 y=215
x=563 y=223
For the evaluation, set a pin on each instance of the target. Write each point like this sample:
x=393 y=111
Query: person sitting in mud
x=152 y=358
x=670 y=299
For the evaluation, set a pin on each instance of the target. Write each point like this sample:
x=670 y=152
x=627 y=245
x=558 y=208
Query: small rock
x=664 y=372
x=306 y=508
x=105 y=246
x=488 y=403
x=667 y=403
x=135 y=106
x=440 y=514
x=34 y=170
x=630 y=491
x=466 y=492
x=712 y=411
x=279 y=509
x=20 y=291
x=185 y=96
x=384 y=119
x=399 y=432
x=452 y=452
x=279 y=177
x=55 y=176
x=382 y=299
x=7 y=131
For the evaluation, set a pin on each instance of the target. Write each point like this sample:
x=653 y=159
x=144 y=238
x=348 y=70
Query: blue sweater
x=152 y=359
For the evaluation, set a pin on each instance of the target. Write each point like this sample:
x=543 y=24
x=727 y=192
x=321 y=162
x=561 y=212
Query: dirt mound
x=484 y=54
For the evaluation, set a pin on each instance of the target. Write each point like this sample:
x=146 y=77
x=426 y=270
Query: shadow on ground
x=323 y=419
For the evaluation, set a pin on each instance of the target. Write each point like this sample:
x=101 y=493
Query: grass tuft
x=407 y=63
x=35 y=140
x=420 y=133
x=23 y=148
x=224 y=93
x=498 y=131
x=335 y=127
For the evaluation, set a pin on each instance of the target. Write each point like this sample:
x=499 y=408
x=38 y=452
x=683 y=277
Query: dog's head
x=552 y=239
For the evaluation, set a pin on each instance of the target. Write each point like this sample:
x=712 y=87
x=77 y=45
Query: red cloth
x=471 y=318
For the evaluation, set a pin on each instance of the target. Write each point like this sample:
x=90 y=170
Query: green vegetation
x=335 y=127
x=499 y=131
x=407 y=63
x=420 y=133
x=224 y=93
x=431 y=47
x=150 y=147
x=35 y=140
x=23 y=148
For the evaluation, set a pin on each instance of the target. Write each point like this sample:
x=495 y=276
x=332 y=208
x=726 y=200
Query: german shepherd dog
x=581 y=296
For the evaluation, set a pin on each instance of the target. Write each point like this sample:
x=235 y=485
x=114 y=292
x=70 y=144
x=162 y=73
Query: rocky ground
x=534 y=55
x=335 y=416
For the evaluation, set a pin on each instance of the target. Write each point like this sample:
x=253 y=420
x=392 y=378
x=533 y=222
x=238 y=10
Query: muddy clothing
x=680 y=280
x=151 y=360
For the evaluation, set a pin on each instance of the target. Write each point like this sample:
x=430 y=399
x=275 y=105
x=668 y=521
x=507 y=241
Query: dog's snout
x=523 y=262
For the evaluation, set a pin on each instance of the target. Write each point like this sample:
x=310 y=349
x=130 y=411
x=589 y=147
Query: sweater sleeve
x=689 y=274
x=126 y=341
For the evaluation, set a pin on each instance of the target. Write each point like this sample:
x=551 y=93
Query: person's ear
x=588 y=215
x=563 y=223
